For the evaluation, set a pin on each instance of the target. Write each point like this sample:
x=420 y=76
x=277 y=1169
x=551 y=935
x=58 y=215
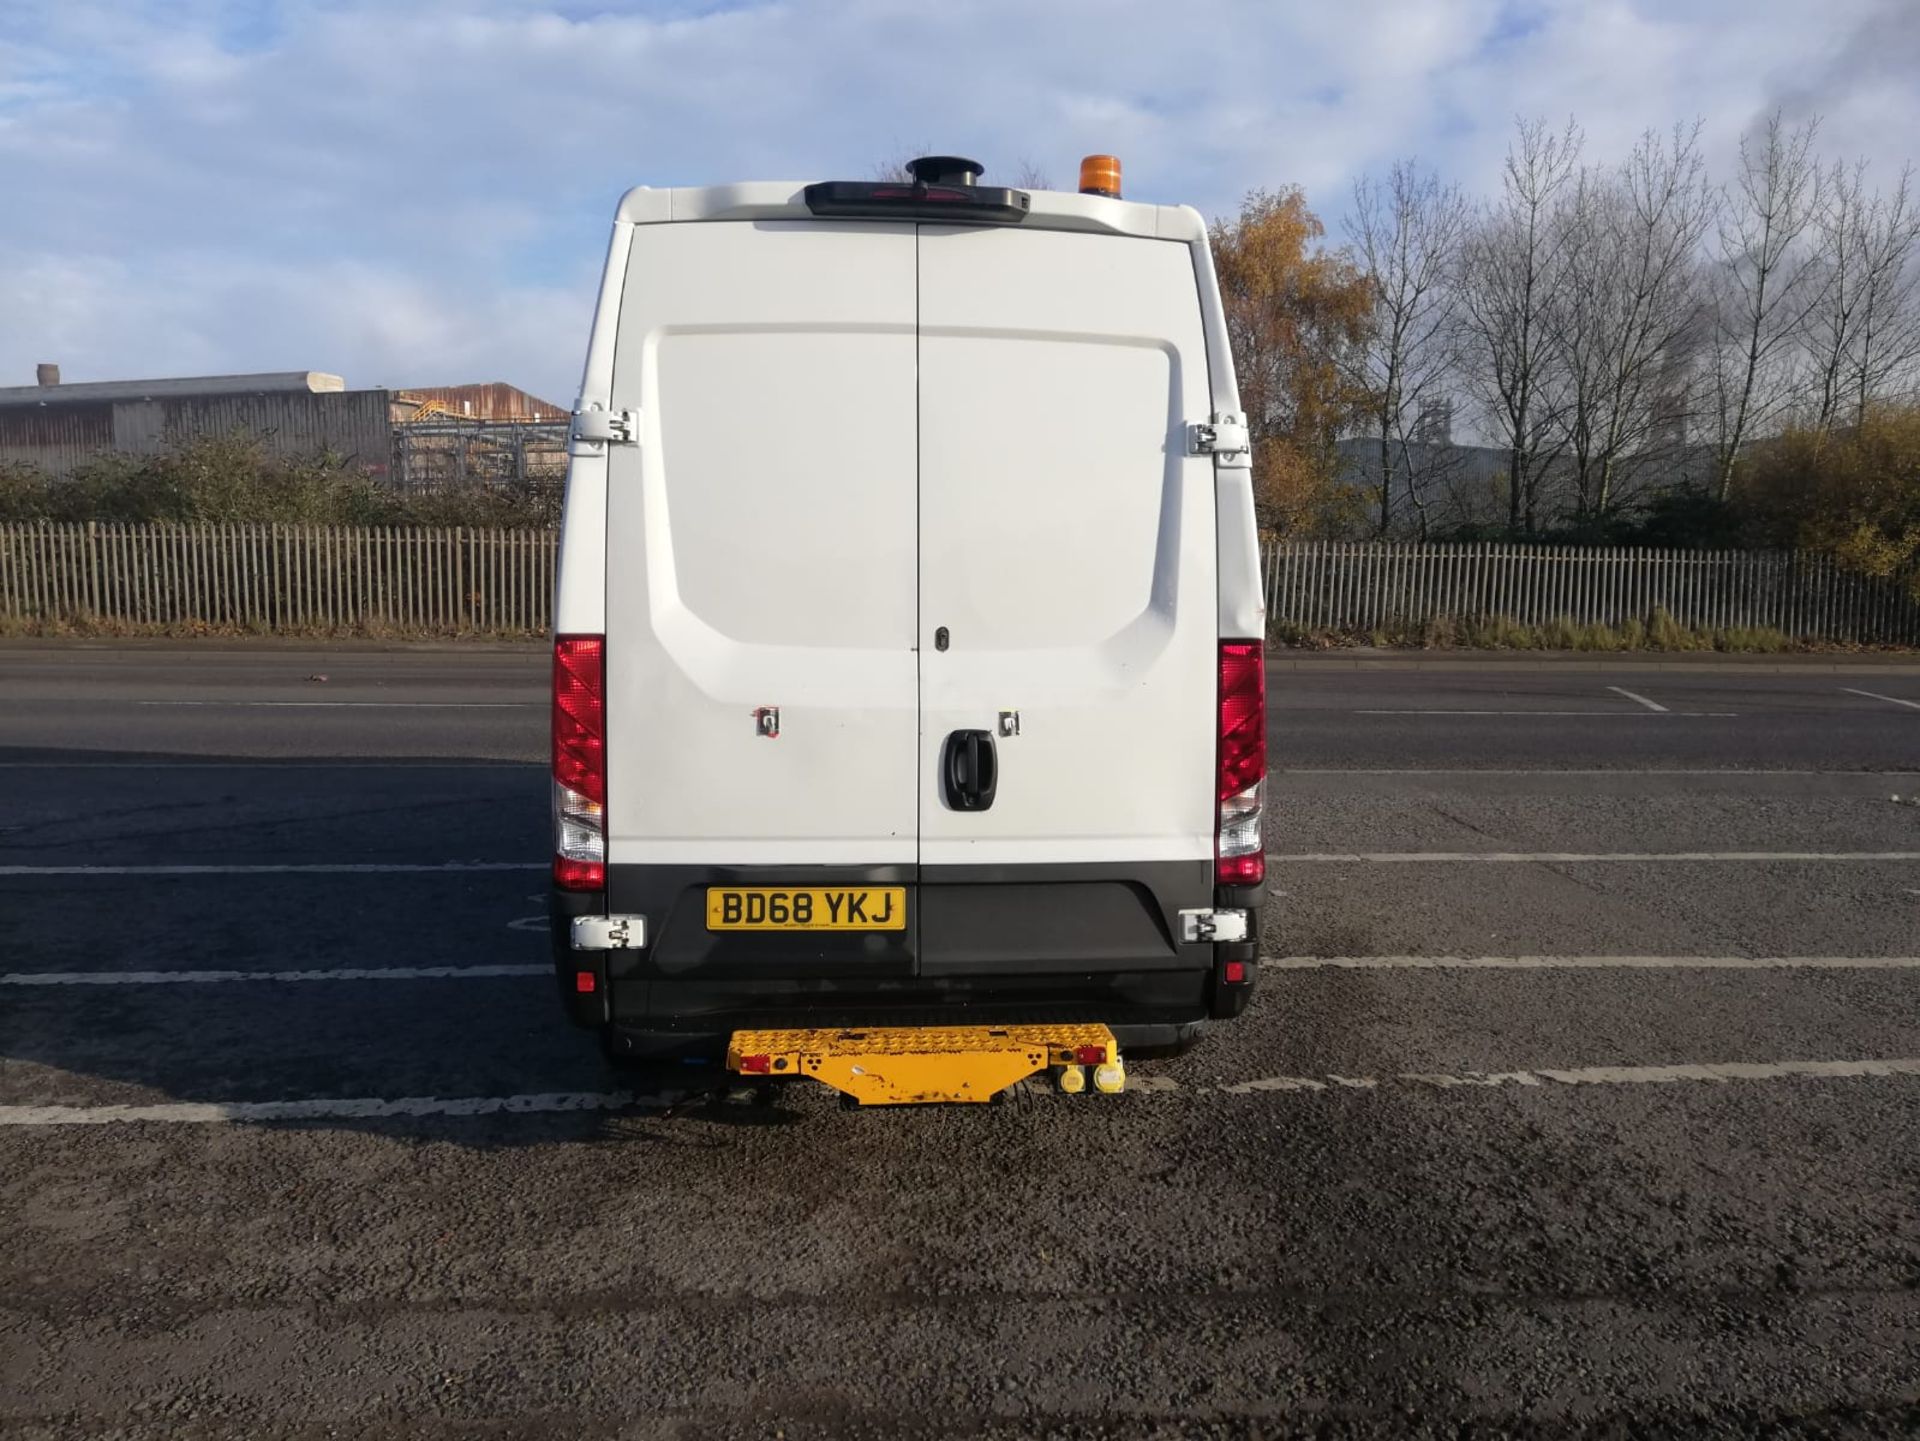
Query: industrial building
x=426 y=436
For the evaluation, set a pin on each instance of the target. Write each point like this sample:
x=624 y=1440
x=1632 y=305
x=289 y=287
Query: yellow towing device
x=918 y=1065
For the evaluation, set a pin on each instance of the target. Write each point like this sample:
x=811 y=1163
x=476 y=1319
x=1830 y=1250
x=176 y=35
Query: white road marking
x=341 y=1108
x=1281 y=963
x=168 y=764
x=1569 y=857
x=1591 y=963
x=202 y=978
x=1636 y=696
x=1590 y=1076
x=1616 y=714
x=342 y=869
x=1875 y=695
x=350 y=704
x=1574 y=771
x=378 y=1108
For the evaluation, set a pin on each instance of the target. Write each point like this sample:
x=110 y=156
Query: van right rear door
x=1067 y=600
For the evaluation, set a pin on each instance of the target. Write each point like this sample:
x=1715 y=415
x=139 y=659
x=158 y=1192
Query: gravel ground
x=1606 y=1189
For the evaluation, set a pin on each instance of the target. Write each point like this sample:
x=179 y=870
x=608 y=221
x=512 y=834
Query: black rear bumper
x=981 y=945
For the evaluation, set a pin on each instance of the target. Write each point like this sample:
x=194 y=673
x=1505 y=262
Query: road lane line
x=1573 y=771
x=1576 y=857
x=1616 y=714
x=168 y=763
x=1591 y=963
x=342 y=869
x=341 y=1108
x=1875 y=695
x=1636 y=696
x=203 y=978
x=382 y=1108
x=350 y=704
x=1279 y=963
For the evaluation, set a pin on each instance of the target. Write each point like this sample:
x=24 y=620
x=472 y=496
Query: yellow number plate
x=807 y=908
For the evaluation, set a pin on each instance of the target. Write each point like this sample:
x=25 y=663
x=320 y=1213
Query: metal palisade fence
x=1345 y=588
x=455 y=580
x=268 y=578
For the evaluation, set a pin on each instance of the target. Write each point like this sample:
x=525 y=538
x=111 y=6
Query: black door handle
x=971 y=767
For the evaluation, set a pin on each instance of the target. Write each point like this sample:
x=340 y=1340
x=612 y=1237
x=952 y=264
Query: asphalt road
x=1581 y=1095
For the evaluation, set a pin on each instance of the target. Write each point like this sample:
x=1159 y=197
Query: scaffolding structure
x=446 y=452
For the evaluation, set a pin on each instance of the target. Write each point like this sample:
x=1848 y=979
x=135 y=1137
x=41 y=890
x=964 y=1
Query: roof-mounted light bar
x=943 y=188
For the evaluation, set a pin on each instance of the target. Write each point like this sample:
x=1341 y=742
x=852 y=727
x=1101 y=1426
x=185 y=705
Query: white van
x=907 y=649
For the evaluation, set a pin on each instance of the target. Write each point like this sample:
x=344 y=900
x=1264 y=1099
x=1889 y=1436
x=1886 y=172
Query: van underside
x=1069 y=943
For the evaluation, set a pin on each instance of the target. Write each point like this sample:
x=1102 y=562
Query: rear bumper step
x=918 y=1065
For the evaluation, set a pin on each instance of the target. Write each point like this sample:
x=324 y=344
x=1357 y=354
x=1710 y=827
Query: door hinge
x=1224 y=437
x=1213 y=925
x=609 y=933
x=606 y=427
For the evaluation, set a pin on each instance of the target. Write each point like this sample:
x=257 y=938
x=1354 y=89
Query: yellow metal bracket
x=913 y=1065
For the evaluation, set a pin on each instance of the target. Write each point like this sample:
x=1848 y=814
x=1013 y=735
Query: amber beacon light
x=1100 y=175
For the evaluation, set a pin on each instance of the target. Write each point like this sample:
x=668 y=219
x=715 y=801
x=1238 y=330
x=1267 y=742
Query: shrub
x=1853 y=494
x=233 y=478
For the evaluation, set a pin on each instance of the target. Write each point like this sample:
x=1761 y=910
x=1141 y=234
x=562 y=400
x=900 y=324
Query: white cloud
x=419 y=193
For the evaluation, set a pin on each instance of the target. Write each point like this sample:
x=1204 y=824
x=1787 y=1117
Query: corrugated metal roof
x=490 y=400
x=310 y=382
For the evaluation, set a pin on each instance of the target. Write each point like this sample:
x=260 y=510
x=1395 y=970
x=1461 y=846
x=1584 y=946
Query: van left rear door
x=762 y=694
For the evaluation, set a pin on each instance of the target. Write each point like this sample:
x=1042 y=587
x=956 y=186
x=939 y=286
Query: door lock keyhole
x=940 y=638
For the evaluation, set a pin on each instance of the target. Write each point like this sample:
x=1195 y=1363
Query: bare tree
x=1840 y=234
x=1766 y=282
x=1031 y=175
x=1511 y=274
x=1407 y=233
x=1627 y=323
x=1886 y=341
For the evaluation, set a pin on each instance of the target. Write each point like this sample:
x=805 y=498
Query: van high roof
x=787 y=200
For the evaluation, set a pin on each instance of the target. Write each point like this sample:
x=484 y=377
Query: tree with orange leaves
x=1296 y=313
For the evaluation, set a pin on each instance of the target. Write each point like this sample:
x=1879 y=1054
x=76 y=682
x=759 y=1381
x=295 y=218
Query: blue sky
x=418 y=193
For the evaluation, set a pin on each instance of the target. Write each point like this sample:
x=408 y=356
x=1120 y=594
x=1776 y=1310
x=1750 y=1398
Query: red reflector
x=579 y=714
x=1247 y=870
x=579 y=875
x=1234 y=972
x=1091 y=1055
x=756 y=1065
x=1243 y=715
x=583 y=982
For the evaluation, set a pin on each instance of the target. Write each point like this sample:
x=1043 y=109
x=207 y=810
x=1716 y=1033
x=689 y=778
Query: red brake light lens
x=1243 y=715
x=1239 y=844
x=1246 y=870
x=580 y=762
x=579 y=715
x=572 y=875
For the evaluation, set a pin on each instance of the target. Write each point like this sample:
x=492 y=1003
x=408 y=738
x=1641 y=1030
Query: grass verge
x=88 y=627
x=1658 y=632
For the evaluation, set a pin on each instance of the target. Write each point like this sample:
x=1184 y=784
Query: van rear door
x=762 y=694
x=1068 y=606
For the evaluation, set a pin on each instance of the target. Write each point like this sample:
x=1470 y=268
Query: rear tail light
x=580 y=762
x=1239 y=846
